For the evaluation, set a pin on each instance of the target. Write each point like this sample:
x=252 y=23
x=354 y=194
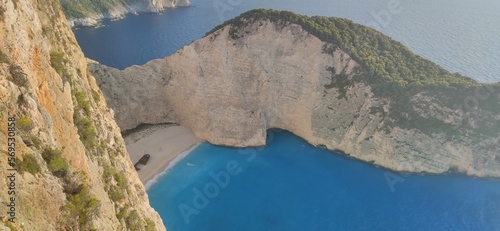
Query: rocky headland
x=330 y=81
x=89 y=13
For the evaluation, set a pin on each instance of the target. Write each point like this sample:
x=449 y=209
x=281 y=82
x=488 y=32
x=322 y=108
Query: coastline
x=166 y=145
x=118 y=13
x=171 y=164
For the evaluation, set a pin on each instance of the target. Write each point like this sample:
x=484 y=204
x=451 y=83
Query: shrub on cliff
x=55 y=162
x=17 y=76
x=86 y=132
x=84 y=125
x=80 y=209
x=24 y=123
x=57 y=61
x=133 y=221
x=115 y=191
x=150 y=225
x=28 y=164
x=82 y=102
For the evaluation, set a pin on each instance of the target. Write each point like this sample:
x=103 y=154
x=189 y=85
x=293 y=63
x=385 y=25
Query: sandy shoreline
x=163 y=143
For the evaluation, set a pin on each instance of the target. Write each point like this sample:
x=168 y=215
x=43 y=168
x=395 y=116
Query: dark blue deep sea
x=290 y=185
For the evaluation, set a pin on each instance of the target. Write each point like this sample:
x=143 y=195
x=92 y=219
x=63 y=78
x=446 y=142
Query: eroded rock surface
x=46 y=87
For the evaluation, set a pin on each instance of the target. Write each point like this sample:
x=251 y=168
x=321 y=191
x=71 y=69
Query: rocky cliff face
x=73 y=170
x=89 y=13
x=232 y=85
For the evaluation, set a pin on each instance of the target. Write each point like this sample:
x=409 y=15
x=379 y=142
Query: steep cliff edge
x=89 y=12
x=73 y=172
x=328 y=80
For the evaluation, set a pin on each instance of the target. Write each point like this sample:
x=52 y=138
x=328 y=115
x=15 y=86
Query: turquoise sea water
x=291 y=185
x=462 y=36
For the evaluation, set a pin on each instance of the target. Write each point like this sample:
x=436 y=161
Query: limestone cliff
x=73 y=172
x=261 y=71
x=89 y=13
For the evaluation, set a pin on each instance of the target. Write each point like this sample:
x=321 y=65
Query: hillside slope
x=332 y=82
x=73 y=171
x=89 y=12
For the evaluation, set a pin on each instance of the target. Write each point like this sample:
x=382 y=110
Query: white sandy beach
x=163 y=143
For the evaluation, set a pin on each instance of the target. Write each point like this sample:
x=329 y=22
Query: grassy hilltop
x=391 y=69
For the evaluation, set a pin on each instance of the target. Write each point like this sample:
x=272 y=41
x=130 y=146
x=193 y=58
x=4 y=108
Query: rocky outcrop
x=89 y=13
x=73 y=170
x=232 y=85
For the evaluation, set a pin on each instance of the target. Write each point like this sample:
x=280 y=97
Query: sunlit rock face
x=46 y=87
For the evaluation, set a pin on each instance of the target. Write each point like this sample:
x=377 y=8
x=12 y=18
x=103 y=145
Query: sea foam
x=172 y=163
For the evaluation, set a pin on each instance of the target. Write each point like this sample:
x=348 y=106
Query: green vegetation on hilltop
x=85 y=8
x=392 y=70
x=385 y=60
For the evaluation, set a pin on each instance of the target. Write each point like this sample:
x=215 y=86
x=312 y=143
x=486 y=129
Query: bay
x=291 y=185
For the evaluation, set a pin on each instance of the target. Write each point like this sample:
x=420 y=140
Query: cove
x=291 y=185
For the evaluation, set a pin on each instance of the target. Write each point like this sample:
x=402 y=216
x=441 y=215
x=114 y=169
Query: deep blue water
x=462 y=36
x=291 y=185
